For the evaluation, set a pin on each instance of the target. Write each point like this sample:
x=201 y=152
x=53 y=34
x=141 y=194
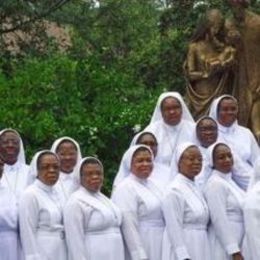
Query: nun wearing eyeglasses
x=139 y=199
x=92 y=221
x=185 y=209
x=40 y=211
x=171 y=123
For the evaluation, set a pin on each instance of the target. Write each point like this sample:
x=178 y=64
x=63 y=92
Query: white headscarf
x=255 y=177
x=180 y=149
x=196 y=140
x=85 y=159
x=136 y=137
x=157 y=114
x=33 y=170
x=21 y=155
x=56 y=144
x=213 y=112
x=125 y=165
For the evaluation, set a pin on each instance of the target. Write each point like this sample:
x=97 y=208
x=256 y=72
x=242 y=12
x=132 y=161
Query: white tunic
x=143 y=223
x=66 y=185
x=92 y=223
x=252 y=224
x=169 y=137
x=15 y=177
x=41 y=223
x=225 y=201
x=9 y=249
x=187 y=216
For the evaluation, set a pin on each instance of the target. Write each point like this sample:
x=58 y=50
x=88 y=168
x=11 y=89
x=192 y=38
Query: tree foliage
x=123 y=55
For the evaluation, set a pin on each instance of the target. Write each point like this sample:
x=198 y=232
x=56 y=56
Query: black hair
x=145 y=133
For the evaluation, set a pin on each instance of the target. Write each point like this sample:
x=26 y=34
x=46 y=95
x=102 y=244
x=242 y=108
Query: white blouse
x=143 y=222
x=168 y=137
x=92 y=223
x=41 y=223
x=16 y=177
x=187 y=216
x=225 y=200
x=8 y=225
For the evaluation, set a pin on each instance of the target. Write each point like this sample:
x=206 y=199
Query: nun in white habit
x=172 y=124
x=140 y=201
x=92 y=221
x=251 y=217
x=69 y=153
x=40 y=212
x=245 y=149
x=225 y=200
x=9 y=245
x=161 y=173
x=206 y=134
x=16 y=172
x=185 y=210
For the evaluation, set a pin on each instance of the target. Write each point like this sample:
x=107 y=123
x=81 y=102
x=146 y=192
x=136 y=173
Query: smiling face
x=222 y=158
x=227 y=111
x=142 y=163
x=48 y=169
x=171 y=110
x=92 y=176
x=207 y=132
x=67 y=152
x=190 y=162
x=10 y=147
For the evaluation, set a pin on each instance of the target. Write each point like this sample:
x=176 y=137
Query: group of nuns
x=183 y=191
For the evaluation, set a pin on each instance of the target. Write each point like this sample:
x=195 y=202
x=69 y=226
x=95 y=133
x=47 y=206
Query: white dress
x=143 y=223
x=225 y=200
x=252 y=224
x=41 y=223
x=187 y=216
x=243 y=144
x=16 y=177
x=9 y=241
x=66 y=185
x=92 y=223
x=168 y=137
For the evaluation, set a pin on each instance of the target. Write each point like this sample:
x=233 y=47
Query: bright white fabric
x=41 y=220
x=9 y=240
x=143 y=223
x=242 y=143
x=251 y=218
x=92 y=223
x=169 y=137
x=225 y=200
x=41 y=223
x=125 y=164
x=187 y=216
x=15 y=177
x=21 y=155
x=68 y=182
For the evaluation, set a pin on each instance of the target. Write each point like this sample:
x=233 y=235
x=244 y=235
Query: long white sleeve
x=126 y=201
x=173 y=209
x=74 y=222
x=28 y=220
x=216 y=197
x=252 y=225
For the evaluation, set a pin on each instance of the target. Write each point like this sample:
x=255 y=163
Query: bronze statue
x=208 y=64
x=248 y=24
